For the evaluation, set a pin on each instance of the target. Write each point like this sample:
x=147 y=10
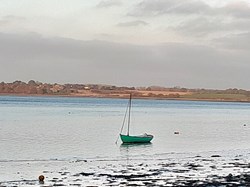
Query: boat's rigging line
x=123 y=123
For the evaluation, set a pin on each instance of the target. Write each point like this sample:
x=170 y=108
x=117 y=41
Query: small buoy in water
x=176 y=132
x=41 y=179
x=245 y=125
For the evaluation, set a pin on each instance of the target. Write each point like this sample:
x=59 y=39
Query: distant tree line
x=35 y=87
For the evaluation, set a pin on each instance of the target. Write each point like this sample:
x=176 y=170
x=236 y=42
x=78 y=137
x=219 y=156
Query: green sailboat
x=145 y=138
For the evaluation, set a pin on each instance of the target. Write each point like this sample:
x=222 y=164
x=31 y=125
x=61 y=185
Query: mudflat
x=205 y=169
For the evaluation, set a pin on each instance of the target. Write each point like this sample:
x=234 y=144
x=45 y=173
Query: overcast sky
x=187 y=43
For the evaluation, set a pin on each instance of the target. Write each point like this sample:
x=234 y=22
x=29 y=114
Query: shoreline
x=122 y=97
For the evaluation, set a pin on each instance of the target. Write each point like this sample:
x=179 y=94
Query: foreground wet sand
x=173 y=170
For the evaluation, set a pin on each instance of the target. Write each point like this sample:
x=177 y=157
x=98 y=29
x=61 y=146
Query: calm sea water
x=64 y=128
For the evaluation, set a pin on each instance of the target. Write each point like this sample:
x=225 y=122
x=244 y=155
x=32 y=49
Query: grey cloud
x=240 y=25
x=106 y=36
x=196 y=18
x=238 y=9
x=108 y=3
x=235 y=41
x=199 y=26
x=189 y=7
x=160 y=7
x=26 y=57
x=132 y=23
x=11 y=19
x=3 y=22
x=203 y=26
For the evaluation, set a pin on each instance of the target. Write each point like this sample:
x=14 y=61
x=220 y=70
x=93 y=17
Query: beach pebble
x=229 y=177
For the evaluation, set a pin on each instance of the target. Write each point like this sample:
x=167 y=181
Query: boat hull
x=136 y=139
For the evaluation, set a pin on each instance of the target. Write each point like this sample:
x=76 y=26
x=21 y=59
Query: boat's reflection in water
x=135 y=145
x=135 y=152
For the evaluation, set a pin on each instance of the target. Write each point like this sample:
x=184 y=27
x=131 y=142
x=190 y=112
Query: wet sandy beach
x=207 y=169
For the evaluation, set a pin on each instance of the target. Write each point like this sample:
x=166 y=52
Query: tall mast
x=129 y=109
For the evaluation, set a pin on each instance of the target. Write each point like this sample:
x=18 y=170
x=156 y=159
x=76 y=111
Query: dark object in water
x=41 y=179
x=86 y=174
x=215 y=156
x=176 y=132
